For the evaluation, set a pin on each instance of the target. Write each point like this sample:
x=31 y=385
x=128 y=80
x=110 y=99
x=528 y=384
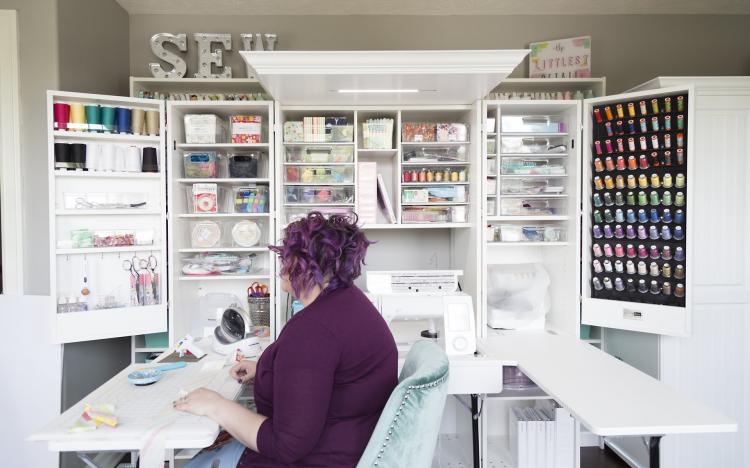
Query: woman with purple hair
x=321 y=386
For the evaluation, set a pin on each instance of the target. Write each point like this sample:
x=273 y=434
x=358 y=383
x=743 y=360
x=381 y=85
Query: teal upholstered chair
x=407 y=431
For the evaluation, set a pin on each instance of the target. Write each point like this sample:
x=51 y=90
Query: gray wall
x=626 y=49
x=37 y=42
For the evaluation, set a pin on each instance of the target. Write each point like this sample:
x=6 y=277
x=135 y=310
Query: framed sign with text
x=563 y=58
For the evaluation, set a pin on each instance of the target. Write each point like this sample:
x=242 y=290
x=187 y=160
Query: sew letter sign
x=564 y=58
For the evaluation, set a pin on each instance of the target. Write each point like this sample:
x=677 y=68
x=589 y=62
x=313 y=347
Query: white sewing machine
x=430 y=295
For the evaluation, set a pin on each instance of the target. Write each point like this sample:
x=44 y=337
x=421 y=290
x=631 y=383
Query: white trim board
x=10 y=159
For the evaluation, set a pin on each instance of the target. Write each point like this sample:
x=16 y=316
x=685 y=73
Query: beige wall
x=626 y=49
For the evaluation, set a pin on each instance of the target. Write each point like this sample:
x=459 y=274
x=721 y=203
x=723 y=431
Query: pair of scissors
x=151 y=264
x=135 y=289
x=257 y=290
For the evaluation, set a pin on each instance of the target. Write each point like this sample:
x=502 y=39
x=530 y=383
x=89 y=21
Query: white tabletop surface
x=606 y=395
x=140 y=410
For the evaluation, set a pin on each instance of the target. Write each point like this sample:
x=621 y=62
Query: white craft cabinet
x=103 y=266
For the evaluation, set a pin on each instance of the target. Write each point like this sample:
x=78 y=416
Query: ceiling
x=435 y=7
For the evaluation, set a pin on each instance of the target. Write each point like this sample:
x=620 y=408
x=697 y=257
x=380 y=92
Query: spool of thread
x=108 y=119
x=654 y=215
x=632 y=163
x=598 y=185
x=642 y=181
x=630 y=232
x=123 y=116
x=119 y=158
x=609 y=164
x=107 y=157
x=619 y=233
x=77 y=117
x=78 y=155
x=679 y=199
x=653 y=269
x=643 y=143
x=667 y=198
x=679 y=272
x=655 y=182
x=680 y=157
x=680 y=122
x=679 y=290
x=642 y=161
x=607 y=266
x=620 y=182
x=655 y=124
x=642 y=253
x=597 y=232
x=608 y=128
x=642 y=125
x=597 y=266
x=94 y=118
x=642 y=234
x=596 y=248
x=619 y=199
x=653 y=233
x=667 y=140
x=619 y=285
x=598 y=116
x=620 y=163
x=607 y=283
x=655 y=106
x=642 y=105
x=598 y=147
x=631 y=181
x=642 y=218
x=630 y=267
x=620 y=129
x=630 y=285
x=62 y=157
x=667 y=182
x=597 y=200
x=607 y=250
x=609 y=183
x=619 y=268
x=642 y=286
x=642 y=268
x=93 y=156
x=608 y=231
x=642 y=199
x=150 y=160
x=678 y=233
x=608 y=218
x=619 y=251
x=631 y=126
x=630 y=251
x=666 y=253
x=680 y=103
x=620 y=111
x=61 y=114
x=680 y=140
x=679 y=254
x=138 y=121
x=608 y=145
x=630 y=197
x=608 y=113
x=667 y=158
x=654 y=141
x=667 y=122
x=630 y=216
x=598 y=166
x=608 y=199
x=666 y=234
x=680 y=181
x=620 y=145
x=667 y=104
x=133 y=159
x=666 y=270
x=666 y=217
x=631 y=109
x=619 y=216
x=597 y=284
x=597 y=216
x=654 y=198
x=679 y=217
x=655 y=288
x=666 y=288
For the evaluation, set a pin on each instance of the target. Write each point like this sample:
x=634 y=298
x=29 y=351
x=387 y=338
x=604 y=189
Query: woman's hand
x=243 y=371
x=201 y=402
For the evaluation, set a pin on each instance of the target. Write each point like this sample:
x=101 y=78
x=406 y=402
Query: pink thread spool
x=61 y=112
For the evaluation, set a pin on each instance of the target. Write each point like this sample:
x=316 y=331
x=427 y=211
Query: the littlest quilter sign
x=564 y=58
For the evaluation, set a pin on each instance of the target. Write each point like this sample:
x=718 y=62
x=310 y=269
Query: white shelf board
x=315 y=184
x=525 y=244
x=225 y=249
x=378 y=153
x=319 y=163
x=435 y=143
x=113 y=212
x=184 y=146
x=528 y=218
x=419 y=184
x=533 y=134
x=195 y=85
x=110 y=323
x=106 y=175
x=252 y=276
x=533 y=176
x=533 y=155
x=558 y=195
x=114 y=137
x=317 y=204
x=103 y=250
x=434 y=163
x=416 y=226
x=225 y=180
x=223 y=215
x=535 y=393
x=149 y=350
x=434 y=204
x=319 y=143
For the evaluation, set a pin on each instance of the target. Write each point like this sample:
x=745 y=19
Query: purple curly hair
x=317 y=250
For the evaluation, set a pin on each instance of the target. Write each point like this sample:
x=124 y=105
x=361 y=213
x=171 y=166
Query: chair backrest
x=407 y=431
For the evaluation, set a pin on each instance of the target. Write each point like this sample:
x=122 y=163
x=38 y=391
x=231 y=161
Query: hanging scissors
x=135 y=292
x=257 y=290
x=150 y=265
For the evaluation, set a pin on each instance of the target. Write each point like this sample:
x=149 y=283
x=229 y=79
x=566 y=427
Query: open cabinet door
x=107 y=211
x=636 y=228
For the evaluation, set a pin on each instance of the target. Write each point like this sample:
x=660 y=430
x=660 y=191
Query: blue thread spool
x=654 y=215
x=667 y=216
x=679 y=217
x=619 y=216
x=678 y=233
x=642 y=216
x=123 y=116
x=666 y=234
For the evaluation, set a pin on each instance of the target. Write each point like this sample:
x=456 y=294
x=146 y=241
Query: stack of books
x=542 y=437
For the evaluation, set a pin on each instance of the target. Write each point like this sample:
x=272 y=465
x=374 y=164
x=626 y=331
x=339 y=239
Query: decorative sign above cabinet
x=206 y=56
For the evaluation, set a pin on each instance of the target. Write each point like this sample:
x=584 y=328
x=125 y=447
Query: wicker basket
x=260 y=311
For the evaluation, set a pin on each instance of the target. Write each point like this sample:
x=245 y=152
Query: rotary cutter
x=152 y=375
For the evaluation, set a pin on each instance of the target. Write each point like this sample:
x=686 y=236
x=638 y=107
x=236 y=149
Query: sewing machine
x=430 y=295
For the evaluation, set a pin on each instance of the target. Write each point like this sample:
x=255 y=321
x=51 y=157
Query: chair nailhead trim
x=435 y=383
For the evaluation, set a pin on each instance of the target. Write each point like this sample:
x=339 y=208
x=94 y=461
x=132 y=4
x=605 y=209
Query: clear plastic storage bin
x=319 y=174
x=204 y=129
x=529 y=166
x=531 y=186
x=433 y=154
x=250 y=199
x=433 y=214
x=318 y=154
x=417 y=174
x=207 y=234
x=319 y=195
x=519 y=233
x=532 y=123
x=201 y=164
x=243 y=165
x=531 y=207
x=207 y=199
x=293 y=214
x=435 y=194
x=536 y=145
x=340 y=133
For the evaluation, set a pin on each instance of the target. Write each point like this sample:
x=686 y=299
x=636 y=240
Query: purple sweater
x=323 y=384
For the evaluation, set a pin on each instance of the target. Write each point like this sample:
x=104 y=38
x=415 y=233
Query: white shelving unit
x=194 y=86
x=107 y=281
x=186 y=290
